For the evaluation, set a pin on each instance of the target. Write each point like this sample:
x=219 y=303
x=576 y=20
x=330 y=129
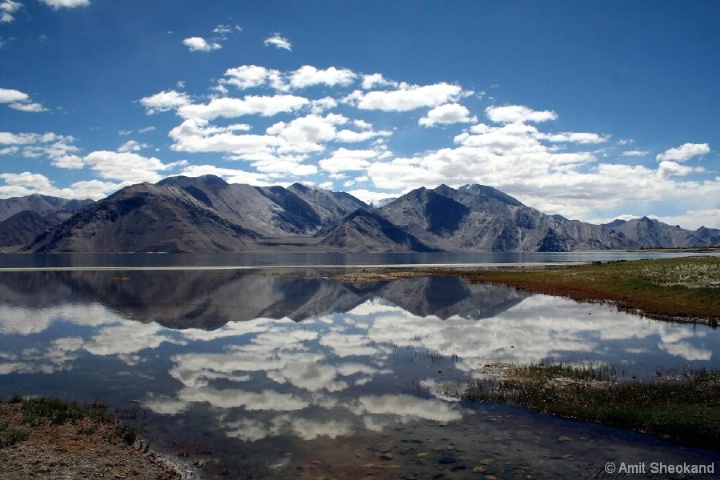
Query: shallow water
x=259 y=375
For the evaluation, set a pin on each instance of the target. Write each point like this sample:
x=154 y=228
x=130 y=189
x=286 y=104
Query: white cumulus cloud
x=199 y=44
x=19 y=100
x=518 y=114
x=409 y=97
x=164 y=101
x=308 y=75
x=376 y=80
x=127 y=166
x=684 y=152
x=56 y=4
x=247 y=76
x=132 y=146
x=28 y=107
x=306 y=134
x=230 y=107
x=635 y=153
x=576 y=137
x=60 y=149
x=7 y=9
x=343 y=160
x=27 y=179
x=447 y=114
x=8 y=95
x=672 y=169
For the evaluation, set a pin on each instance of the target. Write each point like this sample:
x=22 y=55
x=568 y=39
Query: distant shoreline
x=679 y=289
x=487 y=265
x=684 y=288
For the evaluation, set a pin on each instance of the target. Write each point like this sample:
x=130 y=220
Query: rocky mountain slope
x=200 y=214
x=43 y=205
x=368 y=231
x=650 y=233
x=206 y=214
x=476 y=217
x=145 y=218
x=24 y=218
x=22 y=228
x=269 y=211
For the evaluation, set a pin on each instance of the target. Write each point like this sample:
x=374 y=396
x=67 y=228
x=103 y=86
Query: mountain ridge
x=24 y=218
x=207 y=214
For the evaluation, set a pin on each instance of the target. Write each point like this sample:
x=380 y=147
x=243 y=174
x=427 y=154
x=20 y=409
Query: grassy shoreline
x=679 y=289
x=683 y=408
x=666 y=288
x=47 y=436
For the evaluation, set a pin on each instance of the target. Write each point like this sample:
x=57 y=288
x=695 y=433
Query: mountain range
x=23 y=218
x=207 y=214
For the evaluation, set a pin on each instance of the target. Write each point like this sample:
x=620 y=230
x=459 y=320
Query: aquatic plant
x=682 y=407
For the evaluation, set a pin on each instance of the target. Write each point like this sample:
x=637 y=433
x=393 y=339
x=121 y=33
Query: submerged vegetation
x=683 y=407
x=668 y=288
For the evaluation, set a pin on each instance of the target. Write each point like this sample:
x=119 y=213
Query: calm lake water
x=259 y=375
x=268 y=259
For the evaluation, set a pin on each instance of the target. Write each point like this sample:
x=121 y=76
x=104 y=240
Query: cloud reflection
x=345 y=367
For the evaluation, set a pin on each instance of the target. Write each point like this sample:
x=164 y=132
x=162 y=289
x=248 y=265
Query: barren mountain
x=711 y=236
x=330 y=205
x=206 y=214
x=654 y=234
x=201 y=214
x=269 y=211
x=367 y=231
x=145 y=218
x=43 y=205
x=22 y=228
x=24 y=218
x=476 y=217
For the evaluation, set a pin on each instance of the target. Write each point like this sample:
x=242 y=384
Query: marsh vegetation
x=682 y=289
x=681 y=405
x=679 y=288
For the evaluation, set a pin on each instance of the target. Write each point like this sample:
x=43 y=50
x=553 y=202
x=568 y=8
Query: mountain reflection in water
x=210 y=299
x=253 y=357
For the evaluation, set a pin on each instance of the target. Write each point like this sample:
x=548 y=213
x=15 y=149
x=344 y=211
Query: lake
x=255 y=373
x=287 y=259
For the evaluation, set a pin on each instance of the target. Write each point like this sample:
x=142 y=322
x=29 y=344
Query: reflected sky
x=258 y=357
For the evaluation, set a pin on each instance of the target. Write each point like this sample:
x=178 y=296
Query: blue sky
x=594 y=110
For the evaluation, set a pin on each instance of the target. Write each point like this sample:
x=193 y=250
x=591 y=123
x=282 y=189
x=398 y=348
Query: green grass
x=684 y=408
x=126 y=433
x=36 y=410
x=676 y=287
x=42 y=411
x=10 y=436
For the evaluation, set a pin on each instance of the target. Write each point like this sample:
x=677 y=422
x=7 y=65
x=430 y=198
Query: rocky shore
x=36 y=447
